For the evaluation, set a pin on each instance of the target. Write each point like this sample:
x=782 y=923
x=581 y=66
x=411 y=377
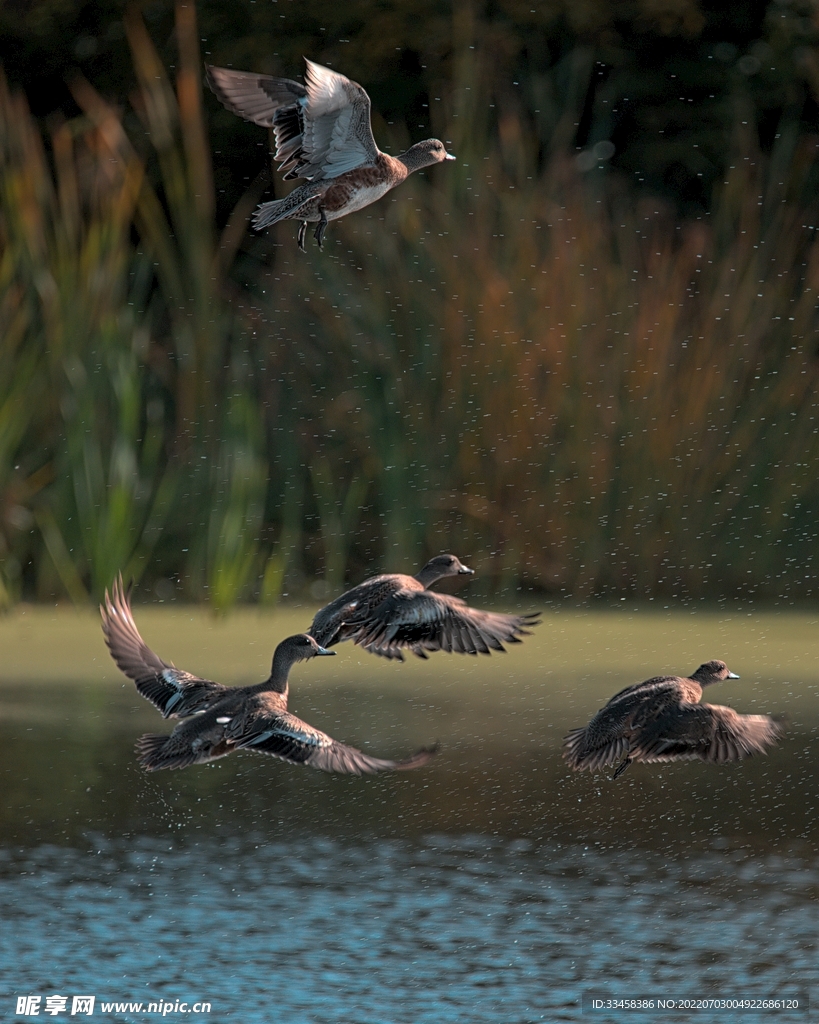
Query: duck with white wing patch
x=220 y=719
x=323 y=134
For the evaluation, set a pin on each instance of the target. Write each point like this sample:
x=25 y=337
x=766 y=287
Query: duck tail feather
x=268 y=213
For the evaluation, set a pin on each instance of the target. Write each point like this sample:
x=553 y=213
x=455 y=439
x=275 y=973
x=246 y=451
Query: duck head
x=423 y=154
x=713 y=672
x=440 y=566
x=300 y=647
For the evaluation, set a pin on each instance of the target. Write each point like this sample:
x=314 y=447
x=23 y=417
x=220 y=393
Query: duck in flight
x=392 y=613
x=220 y=719
x=323 y=134
x=663 y=720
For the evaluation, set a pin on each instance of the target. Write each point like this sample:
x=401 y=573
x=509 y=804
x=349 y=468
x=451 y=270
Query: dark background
x=670 y=75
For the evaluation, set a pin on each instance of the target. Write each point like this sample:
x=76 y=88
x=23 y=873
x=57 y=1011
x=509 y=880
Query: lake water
x=491 y=886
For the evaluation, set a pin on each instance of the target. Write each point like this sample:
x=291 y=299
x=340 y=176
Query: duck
x=662 y=719
x=391 y=613
x=217 y=719
x=323 y=134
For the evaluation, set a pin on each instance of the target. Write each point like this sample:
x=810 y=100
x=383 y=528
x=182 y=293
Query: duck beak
x=732 y=675
x=466 y=571
x=323 y=650
x=449 y=156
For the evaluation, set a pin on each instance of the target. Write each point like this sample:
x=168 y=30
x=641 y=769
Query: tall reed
x=510 y=357
x=214 y=451
x=66 y=240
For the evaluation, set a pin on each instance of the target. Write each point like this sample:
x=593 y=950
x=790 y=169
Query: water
x=443 y=928
x=492 y=886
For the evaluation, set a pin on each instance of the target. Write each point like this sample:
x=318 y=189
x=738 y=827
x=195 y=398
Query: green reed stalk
x=509 y=358
x=215 y=450
x=67 y=237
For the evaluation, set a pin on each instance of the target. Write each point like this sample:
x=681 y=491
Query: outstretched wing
x=256 y=98
x=276 y=103
x=322 y=130
x=174 y=692
x=709 y=732
x=285 y=736
x=337 y=136
x=423 y=621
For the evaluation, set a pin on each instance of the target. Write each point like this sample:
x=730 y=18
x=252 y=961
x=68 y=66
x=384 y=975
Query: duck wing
x=276 y=103
x=421 y=621
x=709 y=732
x=322 y=129
x=605 y=740
x=615 y=731
x=337 y=136
x=256 y=98
x=331 y=624
x=287 y=737
x=344 y=616
x=174 y=692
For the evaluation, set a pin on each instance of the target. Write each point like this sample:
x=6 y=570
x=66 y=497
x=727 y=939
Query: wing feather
x=322 y=129
x=174 y=692
x=583 y=749
x=337 y=133
x=737 y=736
x=256 y=98
x=422 y=620
x=652 y=726
x=289 y=738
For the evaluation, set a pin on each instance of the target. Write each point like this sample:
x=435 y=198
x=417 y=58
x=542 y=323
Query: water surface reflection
x=437 y=929
x=492 y=886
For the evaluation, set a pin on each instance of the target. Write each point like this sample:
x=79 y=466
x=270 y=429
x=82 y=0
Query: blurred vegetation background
x=585 y=357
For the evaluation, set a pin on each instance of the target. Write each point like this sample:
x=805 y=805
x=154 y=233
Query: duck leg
x=318 y=234
x=621 y=768
x=301 y=234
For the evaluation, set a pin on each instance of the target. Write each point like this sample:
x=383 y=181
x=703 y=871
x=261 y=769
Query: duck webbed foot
x=318 y=234
x=301 y=234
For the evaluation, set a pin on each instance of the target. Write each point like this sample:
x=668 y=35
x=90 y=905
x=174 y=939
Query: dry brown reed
x=509 y=357
x=602 y=397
